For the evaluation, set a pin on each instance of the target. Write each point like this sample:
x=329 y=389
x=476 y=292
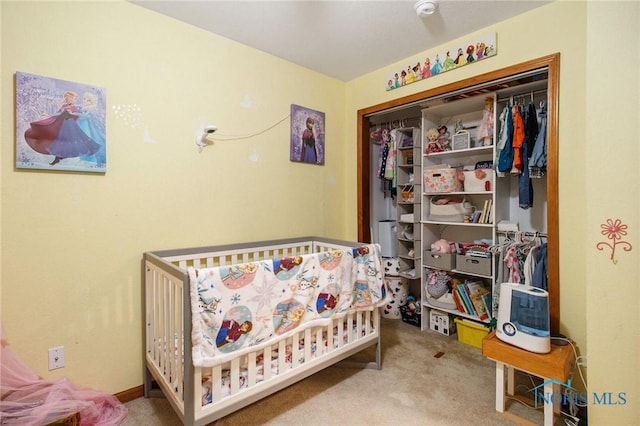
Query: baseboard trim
x=130 y=394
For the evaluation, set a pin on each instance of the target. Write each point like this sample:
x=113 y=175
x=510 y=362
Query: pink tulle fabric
x=26 y=399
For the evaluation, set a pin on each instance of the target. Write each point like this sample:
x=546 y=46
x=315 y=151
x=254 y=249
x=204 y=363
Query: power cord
x=220 y=137
x=571 y=418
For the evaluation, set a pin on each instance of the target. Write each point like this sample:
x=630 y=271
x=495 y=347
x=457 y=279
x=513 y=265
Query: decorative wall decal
x=614 y=230
x=466 y=53
x=60 y=125
x=307 y=135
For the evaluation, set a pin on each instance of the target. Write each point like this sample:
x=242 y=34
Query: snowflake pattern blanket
x=239 y=307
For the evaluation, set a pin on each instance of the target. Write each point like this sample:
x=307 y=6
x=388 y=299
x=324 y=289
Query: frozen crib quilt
x=240 y=308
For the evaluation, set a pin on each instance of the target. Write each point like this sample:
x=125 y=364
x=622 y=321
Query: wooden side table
x=553 y=368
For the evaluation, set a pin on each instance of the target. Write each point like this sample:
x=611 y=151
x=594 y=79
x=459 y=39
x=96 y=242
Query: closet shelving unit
x=409 y=188
x=468 y=112
x=503 y=193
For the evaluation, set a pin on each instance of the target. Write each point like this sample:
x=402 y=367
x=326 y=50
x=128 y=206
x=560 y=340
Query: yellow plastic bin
x=471 y=333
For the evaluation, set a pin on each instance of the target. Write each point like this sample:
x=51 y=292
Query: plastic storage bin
x=471 y=333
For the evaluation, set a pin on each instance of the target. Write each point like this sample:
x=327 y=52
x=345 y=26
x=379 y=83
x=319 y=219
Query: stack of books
x=485 y=215
x=473 y=298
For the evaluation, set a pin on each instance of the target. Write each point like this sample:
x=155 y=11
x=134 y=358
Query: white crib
x=201 y=395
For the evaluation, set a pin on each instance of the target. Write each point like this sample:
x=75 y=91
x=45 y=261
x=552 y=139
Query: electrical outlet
x=56 y=357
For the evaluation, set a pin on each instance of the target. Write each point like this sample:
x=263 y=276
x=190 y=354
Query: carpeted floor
x=414 y=387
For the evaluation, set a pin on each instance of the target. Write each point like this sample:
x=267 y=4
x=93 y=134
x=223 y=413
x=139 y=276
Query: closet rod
x=524 y=233
x=391 y=122
x=522 y=95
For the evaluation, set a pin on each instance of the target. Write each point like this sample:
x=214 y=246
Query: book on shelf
x=457 y=301
x=478 y=303
x=487 y=300
x=475 y=291
x=466 y=301
x=483 y=212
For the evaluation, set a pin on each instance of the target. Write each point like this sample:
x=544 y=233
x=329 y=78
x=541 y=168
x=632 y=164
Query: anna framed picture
x=307 y=135
x=60 y=125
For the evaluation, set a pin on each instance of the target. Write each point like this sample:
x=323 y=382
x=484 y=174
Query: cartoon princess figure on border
x=426 y=69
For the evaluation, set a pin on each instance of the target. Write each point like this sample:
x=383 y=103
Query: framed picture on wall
x=307 y=135
x=60 y=125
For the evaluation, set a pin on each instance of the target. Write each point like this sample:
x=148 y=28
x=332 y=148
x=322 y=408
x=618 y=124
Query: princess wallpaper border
x=477 y=49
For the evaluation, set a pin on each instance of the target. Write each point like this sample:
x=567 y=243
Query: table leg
x=548 y=403
x=500 y=387
x=511 y=379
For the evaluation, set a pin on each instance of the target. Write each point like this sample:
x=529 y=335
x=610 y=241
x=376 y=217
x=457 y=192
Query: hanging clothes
x=390 y=169
x=538 y=161
x=505 y=158
x=540 y=277
x=382 y=158
x=525 y=187
x=517 y=141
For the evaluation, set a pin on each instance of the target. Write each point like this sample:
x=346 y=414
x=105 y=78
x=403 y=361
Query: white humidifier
x=523 y=317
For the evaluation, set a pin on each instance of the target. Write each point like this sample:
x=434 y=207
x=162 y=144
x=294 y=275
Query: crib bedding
x=245 y=307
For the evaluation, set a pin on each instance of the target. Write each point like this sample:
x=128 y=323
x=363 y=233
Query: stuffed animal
x=441 y=246
x=433 y=142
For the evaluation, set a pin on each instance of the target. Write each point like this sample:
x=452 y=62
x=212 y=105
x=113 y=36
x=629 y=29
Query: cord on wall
x=247 y=136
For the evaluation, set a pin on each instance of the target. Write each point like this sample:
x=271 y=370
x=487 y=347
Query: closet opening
x=530 y=80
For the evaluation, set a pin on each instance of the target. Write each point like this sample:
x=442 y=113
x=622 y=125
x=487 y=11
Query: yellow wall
x=599 y=93
x=611 y=192
x=71 y=243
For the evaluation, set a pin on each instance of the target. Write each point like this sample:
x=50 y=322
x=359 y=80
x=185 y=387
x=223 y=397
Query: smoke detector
x=425 y=7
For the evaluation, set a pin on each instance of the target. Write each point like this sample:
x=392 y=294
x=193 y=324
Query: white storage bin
x=454 y=211
x=473 y=184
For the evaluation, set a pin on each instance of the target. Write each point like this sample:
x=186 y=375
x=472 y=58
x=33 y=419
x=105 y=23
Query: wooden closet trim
x=552 y=63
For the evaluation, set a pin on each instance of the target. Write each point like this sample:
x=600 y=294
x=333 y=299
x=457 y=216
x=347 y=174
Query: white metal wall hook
x=203 y=140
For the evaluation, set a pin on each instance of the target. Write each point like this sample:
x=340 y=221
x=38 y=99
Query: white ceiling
x=341 y=39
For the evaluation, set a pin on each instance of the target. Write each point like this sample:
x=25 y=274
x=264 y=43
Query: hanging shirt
x=518 y=140
x=538 y=161
x=505 y=160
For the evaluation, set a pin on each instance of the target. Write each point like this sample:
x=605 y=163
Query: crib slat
x=282 y=356
x=307 y=345
x=251 y=369
x=216 y=383
x=266 y=363
x=295 y=350
x=320 y=348
x=234 y=375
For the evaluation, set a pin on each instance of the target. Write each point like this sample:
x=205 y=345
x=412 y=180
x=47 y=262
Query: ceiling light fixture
x=425 y=8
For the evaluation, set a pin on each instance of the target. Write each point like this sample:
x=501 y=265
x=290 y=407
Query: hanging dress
x=505 y=160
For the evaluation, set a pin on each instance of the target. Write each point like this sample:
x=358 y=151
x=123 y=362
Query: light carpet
x=414 y=387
